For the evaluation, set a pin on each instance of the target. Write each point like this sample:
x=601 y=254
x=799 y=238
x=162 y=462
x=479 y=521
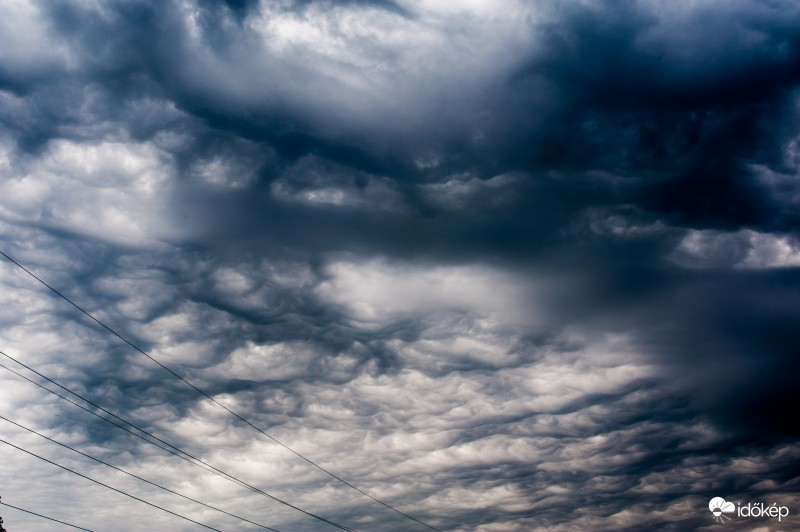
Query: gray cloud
x=503 y=266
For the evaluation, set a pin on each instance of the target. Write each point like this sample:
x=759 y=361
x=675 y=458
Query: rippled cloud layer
x=502 y=265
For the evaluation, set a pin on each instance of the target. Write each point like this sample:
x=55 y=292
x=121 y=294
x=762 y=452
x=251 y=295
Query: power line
x=204 y=394
x=183 y=455
x=177 y=453
x=135 y=476
x=107 y=486
x=167 y=446
x=44 y=516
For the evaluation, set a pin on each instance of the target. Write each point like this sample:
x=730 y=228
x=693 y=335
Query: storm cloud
x=502 y=265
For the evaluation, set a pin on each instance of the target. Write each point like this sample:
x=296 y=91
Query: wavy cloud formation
x=505 y=266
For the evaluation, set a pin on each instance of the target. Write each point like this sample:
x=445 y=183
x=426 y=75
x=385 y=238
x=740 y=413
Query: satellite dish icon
x=719 y=507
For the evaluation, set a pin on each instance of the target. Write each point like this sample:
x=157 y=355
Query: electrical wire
x=135 y=476
x=167 y=446
x=65 y=468
x=204 y=394
x=44 y=516
x=177 y=453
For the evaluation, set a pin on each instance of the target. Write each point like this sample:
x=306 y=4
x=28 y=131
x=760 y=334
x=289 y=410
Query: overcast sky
x=503 y=265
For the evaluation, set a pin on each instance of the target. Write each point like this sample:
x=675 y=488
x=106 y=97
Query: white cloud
x=27 y=46
x=349 y=65
x=376 y=292
x=112 y=191
x=744 y=249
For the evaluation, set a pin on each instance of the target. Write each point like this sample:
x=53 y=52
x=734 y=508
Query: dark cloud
x=503 y=265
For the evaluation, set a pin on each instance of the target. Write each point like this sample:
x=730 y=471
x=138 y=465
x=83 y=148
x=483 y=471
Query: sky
x=502 y=265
